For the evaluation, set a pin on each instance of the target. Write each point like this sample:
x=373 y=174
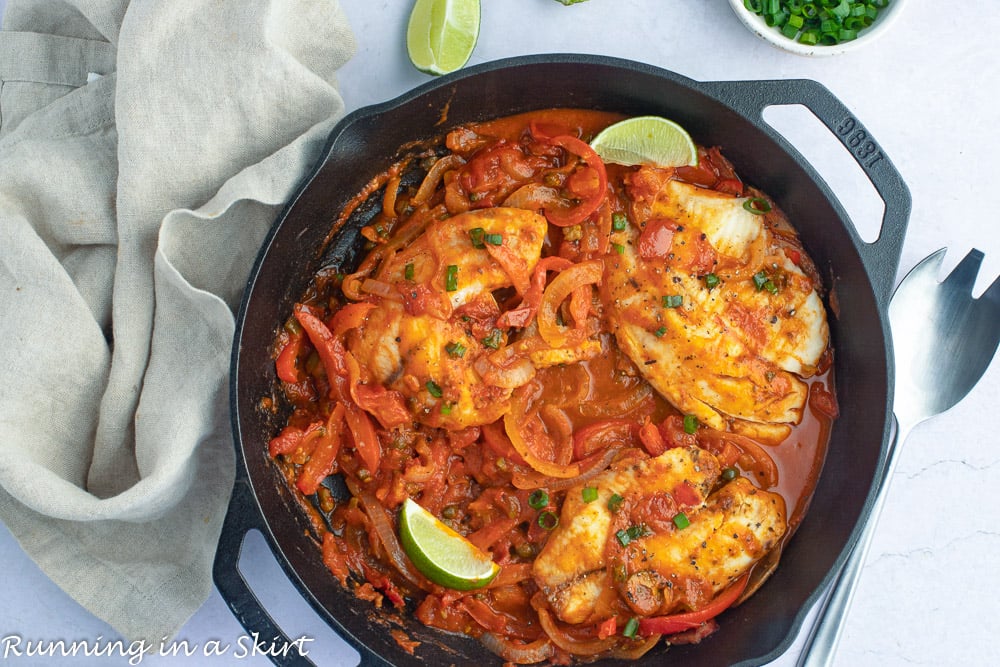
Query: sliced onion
x=618 y=405
x=533 y=197
x=378 y=288
x=635 y=650
x=569 y=643
x=382 y=524
x=511 y=376
x=591 y=468
x=561 y=287
x=434 y=176
x=513 y=428
x=522 y=654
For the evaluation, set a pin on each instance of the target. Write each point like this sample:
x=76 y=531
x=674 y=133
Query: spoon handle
x=821 y=644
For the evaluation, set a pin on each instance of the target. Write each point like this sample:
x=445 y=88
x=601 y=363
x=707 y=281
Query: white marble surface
x=928 y=91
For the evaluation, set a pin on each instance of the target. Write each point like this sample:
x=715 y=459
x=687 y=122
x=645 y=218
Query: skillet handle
x=751 y=98
x=241 y=518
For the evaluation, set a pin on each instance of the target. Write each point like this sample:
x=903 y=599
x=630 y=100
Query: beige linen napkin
x=145 y=149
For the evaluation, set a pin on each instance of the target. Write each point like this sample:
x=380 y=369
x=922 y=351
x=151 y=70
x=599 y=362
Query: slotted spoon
x=943 y=340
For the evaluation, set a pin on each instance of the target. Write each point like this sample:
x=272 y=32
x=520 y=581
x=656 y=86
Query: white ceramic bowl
x=773 y=36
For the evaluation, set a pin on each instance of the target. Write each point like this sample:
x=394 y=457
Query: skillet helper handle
x=241 y=518
x=751 y=98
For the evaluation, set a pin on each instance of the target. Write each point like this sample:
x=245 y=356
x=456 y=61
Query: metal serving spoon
x=943 y=340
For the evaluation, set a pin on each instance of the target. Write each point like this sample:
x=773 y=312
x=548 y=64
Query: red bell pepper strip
x=351 y=316
x=668 y=625
x=566 y=217
x=365 y=438
x=330 y=350
x=285 y=363
x=324 y=455
x=607 y=628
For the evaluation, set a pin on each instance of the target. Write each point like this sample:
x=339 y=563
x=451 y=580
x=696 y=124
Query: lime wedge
x=649 y=140
x=441 y=34
x=441 y=554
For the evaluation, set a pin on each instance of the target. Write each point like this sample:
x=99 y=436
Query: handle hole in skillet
x=835 y=165
x=288 y=608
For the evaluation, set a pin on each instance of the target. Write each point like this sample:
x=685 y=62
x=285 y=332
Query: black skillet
x=726 y=114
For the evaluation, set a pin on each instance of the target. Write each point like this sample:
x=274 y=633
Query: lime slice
x=649 y=140
x=441 y=554
x=441 y=34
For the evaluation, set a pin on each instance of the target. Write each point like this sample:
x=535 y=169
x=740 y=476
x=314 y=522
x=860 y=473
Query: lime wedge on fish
x=648 y=140
x=441 y=554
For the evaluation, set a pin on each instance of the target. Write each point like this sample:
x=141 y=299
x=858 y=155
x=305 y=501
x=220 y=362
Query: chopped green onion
x=493 y=340
x=538 y=499
x=451 y=278
x=757 y=205
x=589 y=494
x=477 y=236
x=494 y=239
x=434 y=389
x=759 y=279
x=823 y=22
x=711 y=280
x=619 y=222
x=631 y=627
x=619 y=248
x=408 y=271
x=681 y=521
x=455 y=349
x=690 y=424
x=446 y=408
x=660 y=332
x=673 y=301
x=628 y=535
x=548 y=520
x=615 y=502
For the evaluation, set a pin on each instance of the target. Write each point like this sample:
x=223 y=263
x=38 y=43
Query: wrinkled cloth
x=145 y=150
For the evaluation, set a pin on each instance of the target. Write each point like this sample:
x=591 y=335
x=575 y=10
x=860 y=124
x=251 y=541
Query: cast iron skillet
x=727 y=114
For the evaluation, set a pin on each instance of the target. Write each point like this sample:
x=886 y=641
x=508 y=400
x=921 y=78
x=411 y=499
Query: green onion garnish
x=408 y=271
x=434 y=389
x=673 y=301
x=455 y=349
x=615 y=502
x=494 y=239
x=711 y=280
x=757 y=205
x=477 y=235
x=619 y=222
x=446 y=408
x=548 y=520
x=825 y=22
x=451 y=278
x=538 y=499
x=627 y=535
x=681 y=521
x=589 y=494
x=690 y=424
x=660 y=332
x=631 y=627
x=493 y=340
x=759 y=280
x=619 y=248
